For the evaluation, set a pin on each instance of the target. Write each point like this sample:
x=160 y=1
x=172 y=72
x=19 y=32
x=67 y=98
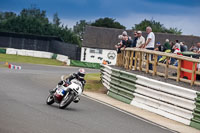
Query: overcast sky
x=183 y=14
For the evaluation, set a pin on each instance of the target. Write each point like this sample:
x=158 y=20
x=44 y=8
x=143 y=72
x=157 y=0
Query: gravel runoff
x=162 y=79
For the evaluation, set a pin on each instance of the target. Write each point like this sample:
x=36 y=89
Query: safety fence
x=174 y=102
x=141 y=59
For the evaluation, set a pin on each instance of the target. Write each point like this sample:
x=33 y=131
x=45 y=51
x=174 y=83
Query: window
x=96 y=51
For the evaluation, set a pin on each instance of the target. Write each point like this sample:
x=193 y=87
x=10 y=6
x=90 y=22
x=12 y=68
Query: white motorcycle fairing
x=76 y=86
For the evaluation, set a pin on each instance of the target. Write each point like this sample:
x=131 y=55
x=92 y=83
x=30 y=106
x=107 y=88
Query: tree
x=79 y=28
x=35 y=21
x=56 y=20
x=108 y=22
x=156 y=27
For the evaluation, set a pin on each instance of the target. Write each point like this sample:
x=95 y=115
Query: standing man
x=140 y=40
x=150 y=42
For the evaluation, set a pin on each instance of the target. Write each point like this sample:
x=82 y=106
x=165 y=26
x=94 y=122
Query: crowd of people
x=139 y=41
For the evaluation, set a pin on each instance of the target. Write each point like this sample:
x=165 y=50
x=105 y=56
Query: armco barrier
x=174 y=102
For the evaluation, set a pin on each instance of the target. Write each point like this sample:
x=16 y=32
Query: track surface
x=23 y=108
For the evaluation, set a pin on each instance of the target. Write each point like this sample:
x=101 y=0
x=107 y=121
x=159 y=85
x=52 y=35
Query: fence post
x=131 y=60
x=147 y=63
x=140 y=62
x=166 y=67
x=127 y=59
x=155 y=64
x=179 y=70
x=136 y=60
x=193 y=73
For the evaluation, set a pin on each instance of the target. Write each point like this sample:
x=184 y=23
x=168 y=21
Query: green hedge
x=84 y=64
x=2 y=50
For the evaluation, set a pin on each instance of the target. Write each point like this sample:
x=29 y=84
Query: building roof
x=107 y=38
x=99 y=37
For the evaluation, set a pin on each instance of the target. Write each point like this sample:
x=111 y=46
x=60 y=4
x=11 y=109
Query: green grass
x=93 y=83
x=28 y=59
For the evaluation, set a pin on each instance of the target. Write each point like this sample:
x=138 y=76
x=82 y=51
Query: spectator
x=134 y=40
x=186 y=47
x=183 y=47
x=125 y=42
x=119 y=45
x=163 y=48
x=198 y=46
x=172 y=45
x=160 y=47
x=193 y=48
x=176 y=51
x=124 y=33
x=167 y=46
x=177 y=44
x=140 y=40
x=150 y=42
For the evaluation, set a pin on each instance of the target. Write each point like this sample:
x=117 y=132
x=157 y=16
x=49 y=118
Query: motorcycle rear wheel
x=50 y=99
x=66 y=100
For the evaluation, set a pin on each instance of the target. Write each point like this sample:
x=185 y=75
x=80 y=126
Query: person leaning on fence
x=118 y=48
x=126 y=41
x=119 y=45
x=150 y=42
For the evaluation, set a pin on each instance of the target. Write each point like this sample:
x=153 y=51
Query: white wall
x=107 y=55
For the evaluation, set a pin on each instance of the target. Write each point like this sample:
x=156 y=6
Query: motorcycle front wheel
x=50 y=99
x=66 y=100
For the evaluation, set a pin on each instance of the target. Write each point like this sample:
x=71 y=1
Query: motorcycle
x=65 y=93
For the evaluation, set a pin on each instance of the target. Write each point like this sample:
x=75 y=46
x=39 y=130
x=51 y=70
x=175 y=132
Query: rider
x=79 y=76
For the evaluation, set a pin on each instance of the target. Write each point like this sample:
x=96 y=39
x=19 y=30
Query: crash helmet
x=81 y=73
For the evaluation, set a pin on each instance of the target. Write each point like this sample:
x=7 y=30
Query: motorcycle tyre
x=67 y=102
x=51 y=101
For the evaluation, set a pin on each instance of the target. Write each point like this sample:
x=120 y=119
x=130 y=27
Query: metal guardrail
x=142 y=60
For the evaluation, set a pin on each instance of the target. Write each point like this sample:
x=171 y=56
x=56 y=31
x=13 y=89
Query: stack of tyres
x=11 y=66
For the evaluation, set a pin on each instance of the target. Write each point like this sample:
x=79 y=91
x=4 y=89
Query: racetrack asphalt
x=23 y=109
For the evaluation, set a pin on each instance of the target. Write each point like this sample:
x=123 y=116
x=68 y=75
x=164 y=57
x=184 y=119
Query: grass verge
x=93 y=83
x=28 y=59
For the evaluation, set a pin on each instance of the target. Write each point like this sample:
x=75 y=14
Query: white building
x=97 y=45
x=97 y=55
